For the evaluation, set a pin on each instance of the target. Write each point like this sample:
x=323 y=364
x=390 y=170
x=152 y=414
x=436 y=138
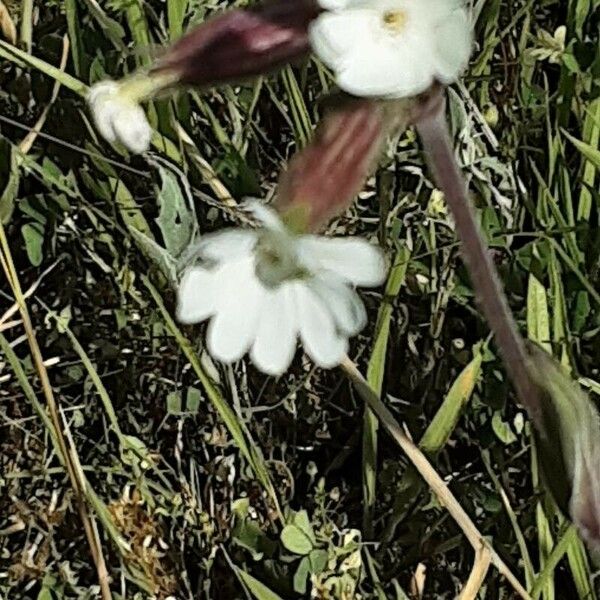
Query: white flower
x=264 y=288
x=119 y=118
x=392 y=48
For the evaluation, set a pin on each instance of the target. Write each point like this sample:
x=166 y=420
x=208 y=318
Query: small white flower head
x=262 y=289
x=119 y=118
x=392 y=48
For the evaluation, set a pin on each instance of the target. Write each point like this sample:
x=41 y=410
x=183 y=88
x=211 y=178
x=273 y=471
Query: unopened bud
x=241 y=43
x=323 y=178
x=569 y=446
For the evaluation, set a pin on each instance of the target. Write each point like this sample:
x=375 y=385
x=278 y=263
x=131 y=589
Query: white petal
x=334 y=35
x=352 y=259
x=132 y=128
x=232 y=329
x=266 y=215
x=119 y=119
x=276 y=334
x=370 y=60
x=196 y=295
x=453 y=46
x=396 y=70
x=227 y=245
x=344 y=304
x=427 y=12
x=104 y=119
x=317 y=329
x=334 y=4
x=100 y=92
x=100 y=100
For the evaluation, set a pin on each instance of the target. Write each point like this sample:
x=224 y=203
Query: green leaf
x=129 y=209
x=546 y=576
x=45 y=594
x=295 y=540
x=192 y=400
x=9 y=194
x=176 y=219
x=580 y=568
x=19 y=57
x=239 y=176
x=581 y=311
x=241 y=507
x=582 y=9
x=48 y=587
x=591 y=153
x=75 y=36
x=396 y=278
x=302 y=521
x=249 y=535
x=301 y=575
x=570 y=62
x=299 y=112
x=157 y=254
x=138 y=26
x=176 y=10
x=502 y=429
x=318 y=561
x=134 y=452
x=538 y=317
x=174 y=403
x=591 y=135
x=112 y=29
x=33 y=234
x=375 y=375
x=259 y=590
x=444 y=422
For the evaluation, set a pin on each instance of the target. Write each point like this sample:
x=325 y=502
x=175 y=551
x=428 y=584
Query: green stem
x=141 y=86
x=27 y=24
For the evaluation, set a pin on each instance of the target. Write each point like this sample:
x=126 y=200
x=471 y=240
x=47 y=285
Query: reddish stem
x=434 y=134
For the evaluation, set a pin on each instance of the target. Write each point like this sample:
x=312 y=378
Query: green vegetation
x=182 y=478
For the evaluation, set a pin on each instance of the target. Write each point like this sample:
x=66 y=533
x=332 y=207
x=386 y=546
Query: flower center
x=394 y=20
x=276 y=260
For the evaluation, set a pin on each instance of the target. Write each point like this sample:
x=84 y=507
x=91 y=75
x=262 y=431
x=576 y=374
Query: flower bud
x=323 y=178
x=118 y=117
x=569 y=446
x=585 y=498
x=241 y=43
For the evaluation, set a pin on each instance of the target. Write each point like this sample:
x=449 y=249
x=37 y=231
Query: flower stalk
x=567 y=425
x=142 y=86
x=433 y=130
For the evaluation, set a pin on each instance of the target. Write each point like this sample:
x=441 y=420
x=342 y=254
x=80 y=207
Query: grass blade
x=444 y=422
x=19 y=57
x=375 y=374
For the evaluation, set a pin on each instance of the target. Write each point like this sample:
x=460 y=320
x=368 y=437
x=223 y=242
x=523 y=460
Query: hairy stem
x=434 y=134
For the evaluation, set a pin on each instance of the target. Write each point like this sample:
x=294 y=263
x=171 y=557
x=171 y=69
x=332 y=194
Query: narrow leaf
x=259 y=590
